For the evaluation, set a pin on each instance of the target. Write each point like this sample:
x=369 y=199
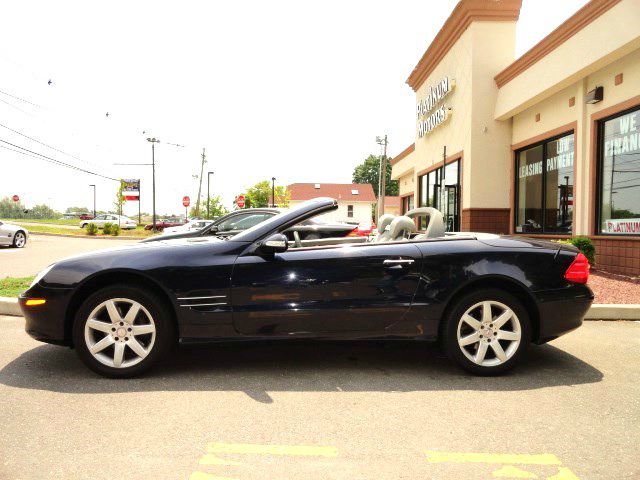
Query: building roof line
x=403 y=154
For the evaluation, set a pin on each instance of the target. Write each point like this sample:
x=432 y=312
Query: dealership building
x=545 y=145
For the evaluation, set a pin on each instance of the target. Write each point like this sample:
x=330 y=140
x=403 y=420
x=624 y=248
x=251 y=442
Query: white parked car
x=125 y=222
x=13 y=235
x=190 y=226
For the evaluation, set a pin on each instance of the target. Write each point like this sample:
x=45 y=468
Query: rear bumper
x=46 y=323
x=562 y=311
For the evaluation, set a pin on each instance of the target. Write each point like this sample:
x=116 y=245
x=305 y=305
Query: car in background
x=240 y=220
x=125 y=222
x=190 y=226
x=363 y=230
x=13 y=235
x=86 y=216
x=166 y=223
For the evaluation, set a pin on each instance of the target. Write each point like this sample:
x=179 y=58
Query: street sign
x=15 y=198
x=240 y=201
x=131 y=189
x=186 y=201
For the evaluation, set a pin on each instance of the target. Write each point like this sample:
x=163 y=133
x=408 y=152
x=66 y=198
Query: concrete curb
x=9 y=306
x=119 y=237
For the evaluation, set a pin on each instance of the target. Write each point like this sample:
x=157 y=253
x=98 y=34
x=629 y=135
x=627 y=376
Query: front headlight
x=41 y=275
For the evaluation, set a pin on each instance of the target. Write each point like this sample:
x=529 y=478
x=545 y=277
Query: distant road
x=43 y=250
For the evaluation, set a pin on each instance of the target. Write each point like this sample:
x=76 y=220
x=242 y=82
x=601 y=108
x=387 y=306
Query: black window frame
x=438 y=172
x=349 y=211
x=599 y=172
x=543 y=144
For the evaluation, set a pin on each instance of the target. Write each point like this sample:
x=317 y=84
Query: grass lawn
x=81 y=232
x=44 y=221
x=12 y=287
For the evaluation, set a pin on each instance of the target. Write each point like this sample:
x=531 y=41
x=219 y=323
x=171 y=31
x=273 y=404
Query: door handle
x=398 y=262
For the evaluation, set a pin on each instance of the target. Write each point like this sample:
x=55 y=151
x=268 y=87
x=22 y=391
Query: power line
x=48 y=146
x=57 y=162
x=17 y=108
x=21 y=99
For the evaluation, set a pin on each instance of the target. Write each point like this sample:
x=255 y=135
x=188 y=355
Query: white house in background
x=355 y=200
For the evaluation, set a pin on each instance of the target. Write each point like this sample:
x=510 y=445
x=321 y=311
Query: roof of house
x=390 y=201
x=356 y=192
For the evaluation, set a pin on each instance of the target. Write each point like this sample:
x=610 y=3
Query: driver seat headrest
x=384 y=221
x=401 y=227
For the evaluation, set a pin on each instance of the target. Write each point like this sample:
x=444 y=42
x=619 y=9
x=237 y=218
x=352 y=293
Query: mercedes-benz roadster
x=485 y=297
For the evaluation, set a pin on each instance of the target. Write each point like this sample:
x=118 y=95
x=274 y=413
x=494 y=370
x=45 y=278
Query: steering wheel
x=296 y=239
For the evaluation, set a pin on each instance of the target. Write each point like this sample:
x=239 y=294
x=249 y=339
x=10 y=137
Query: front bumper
x=46 y=323
x=562 y=311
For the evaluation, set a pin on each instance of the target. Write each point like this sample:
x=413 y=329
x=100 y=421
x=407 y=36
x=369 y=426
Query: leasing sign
x=430 y=117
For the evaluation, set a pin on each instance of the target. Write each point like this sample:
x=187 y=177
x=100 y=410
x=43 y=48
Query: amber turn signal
x=32 y=302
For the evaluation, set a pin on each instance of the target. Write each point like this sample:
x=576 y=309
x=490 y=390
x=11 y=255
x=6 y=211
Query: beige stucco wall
x=609 y=37
x=555 y=112
x=480 y=53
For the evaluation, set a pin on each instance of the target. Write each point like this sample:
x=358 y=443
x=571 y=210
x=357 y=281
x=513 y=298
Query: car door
x=318 y=290
x=5 y=235
x=99 y=220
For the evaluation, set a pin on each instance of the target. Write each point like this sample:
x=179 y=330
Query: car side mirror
x=276 y=243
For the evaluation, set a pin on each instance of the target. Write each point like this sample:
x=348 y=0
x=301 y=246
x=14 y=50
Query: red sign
x=240 y=201
x=15 y=198
x=186 y=201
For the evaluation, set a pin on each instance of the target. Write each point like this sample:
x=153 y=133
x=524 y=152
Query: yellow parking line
x=295 y=450
x=518 y=459
x=207 y=476
x=210 y=459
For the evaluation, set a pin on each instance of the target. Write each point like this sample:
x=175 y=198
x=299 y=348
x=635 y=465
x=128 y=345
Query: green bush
x=115 y=230
x=107 y=228
x=92 y=229
x=585 y=245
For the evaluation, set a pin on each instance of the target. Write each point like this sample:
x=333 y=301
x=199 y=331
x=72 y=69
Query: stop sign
x=15 y=198
x=240 y=201
x=186 y=201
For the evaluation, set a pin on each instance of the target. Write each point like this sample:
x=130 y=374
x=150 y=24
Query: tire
x=467 y=342
x=107 y=338
x=20 y=239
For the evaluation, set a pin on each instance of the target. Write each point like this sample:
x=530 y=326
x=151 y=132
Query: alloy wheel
x=19 y=240
x=489 y=333
x=120 y=332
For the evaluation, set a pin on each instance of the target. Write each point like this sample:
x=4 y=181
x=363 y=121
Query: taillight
x=578 y=271
x=354 y=233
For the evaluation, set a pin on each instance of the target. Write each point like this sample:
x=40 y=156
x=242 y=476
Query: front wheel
x=20 y=239
x=487 y=332
x=122 y=332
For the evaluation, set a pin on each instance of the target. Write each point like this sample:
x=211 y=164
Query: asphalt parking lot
x=324 y=411
x=42 y=250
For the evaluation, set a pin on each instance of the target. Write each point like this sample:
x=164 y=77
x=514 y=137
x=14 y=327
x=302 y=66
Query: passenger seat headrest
x=384 y=221
x=400 y=226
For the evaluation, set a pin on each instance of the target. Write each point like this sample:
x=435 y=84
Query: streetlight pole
x=273 y=191
x=153 y=142
x=383 y=177
x=94 y=200
x=208 y=194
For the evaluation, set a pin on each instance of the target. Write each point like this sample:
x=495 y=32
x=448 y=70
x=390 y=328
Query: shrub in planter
x=585 y=245
x=115 y=230
x=92 y=229
x=107 y=228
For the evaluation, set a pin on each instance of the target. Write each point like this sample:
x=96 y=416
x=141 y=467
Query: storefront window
x=544 y=187
x=619 y=177
x=447 y=200
x=407 y=203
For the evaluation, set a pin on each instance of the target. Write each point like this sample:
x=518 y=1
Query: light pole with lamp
x=273 y=192
x=153 y=142
x=94 y=200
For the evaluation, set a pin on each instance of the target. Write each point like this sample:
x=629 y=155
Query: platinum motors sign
x=428 y=120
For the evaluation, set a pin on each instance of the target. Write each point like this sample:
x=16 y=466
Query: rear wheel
x=122 y=332
x=487 y=332
x=20 y=239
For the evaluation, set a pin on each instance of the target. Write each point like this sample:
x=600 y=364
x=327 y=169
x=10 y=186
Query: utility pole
x=153 y=171
x=208 y=194
x=200 y=184
x=273 y=191
x=94 y=200
x=383 y=176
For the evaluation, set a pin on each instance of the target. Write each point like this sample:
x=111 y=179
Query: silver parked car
x=125 y=222
x=13 y=235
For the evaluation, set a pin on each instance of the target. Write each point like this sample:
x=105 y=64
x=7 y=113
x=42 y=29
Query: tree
x=369 y=172
x=216 y=209
x=260 y=195
x=11 y=209
x=77 y=210
x=119 y=202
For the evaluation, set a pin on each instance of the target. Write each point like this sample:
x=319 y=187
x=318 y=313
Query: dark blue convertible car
x=485 y=297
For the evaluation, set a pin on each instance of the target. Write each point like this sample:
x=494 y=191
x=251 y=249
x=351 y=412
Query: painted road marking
x=257 y=449
x=512 y=458
x=509 y=471
x=210 y=459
